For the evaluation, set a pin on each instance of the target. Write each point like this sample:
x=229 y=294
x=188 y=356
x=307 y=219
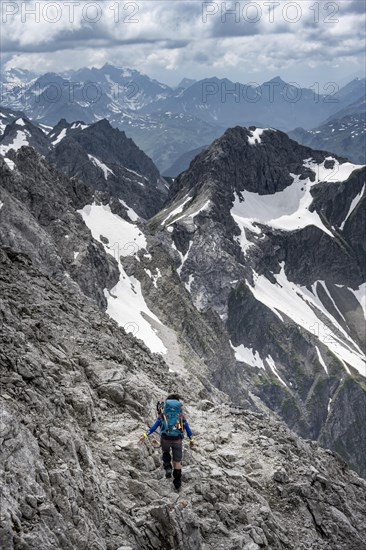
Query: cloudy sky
x=304 y=41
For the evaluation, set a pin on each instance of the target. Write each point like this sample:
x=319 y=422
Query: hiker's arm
x=188 y=429
x=154 y=426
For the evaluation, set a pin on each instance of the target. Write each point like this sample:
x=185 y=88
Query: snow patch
x=184 y=258
x=287 y=210
x=154 y=278
x=353 y=205
x=322 y=283
x=126 y=304
x=339 y=172
x=136 y=173
x=131 y=213
x=10 y=163
x=176 y=210
x=60 y=137
x=190 y=281
x=255 y=138
x=203 y=208
x=272 y=366
x=321 y=360
x=18 y=142
x=124 y=238
x=248 y=355
x=79 y=125
x=45 y=129
x=303 y=307
x=101 y=165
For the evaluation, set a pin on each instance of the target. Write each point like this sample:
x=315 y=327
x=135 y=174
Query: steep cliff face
x=77 y=392
x=270 y=238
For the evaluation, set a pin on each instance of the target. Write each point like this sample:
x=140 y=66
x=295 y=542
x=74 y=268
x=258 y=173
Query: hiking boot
x=177 y=474
x=168 y=473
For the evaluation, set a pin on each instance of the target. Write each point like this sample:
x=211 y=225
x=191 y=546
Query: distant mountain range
x=184 y=118
x=343 y=133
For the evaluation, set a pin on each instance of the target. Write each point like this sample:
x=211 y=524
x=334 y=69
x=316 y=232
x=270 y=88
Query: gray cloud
x=172 y=37
x=353 y=6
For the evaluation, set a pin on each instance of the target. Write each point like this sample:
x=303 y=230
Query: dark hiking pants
x=171 y=448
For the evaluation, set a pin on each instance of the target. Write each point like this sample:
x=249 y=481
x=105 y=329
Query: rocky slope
x=108 y=161
x=250 y=280
x=76 y=393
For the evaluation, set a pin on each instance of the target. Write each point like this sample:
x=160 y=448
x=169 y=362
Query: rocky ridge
x=76 y=393
x=102 y=156
x=38 y=217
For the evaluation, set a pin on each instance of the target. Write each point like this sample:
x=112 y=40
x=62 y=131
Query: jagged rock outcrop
x=76 y=393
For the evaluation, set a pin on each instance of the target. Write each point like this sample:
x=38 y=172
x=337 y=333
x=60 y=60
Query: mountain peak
x=277 y=80
x=186 y=83
x=259 y=160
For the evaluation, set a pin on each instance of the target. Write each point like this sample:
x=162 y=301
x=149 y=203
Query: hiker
x=172 y=423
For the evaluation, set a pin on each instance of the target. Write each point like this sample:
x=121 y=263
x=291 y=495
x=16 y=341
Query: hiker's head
x=174 y=396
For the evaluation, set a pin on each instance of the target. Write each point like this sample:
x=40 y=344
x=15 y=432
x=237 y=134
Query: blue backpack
x=172 y=420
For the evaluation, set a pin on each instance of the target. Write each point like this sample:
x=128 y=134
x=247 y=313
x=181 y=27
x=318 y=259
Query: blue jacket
x=157 y=423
